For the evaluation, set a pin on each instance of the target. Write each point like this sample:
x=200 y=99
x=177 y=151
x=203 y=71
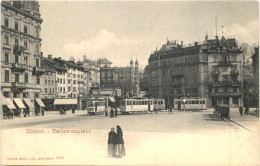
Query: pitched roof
x=54 y=65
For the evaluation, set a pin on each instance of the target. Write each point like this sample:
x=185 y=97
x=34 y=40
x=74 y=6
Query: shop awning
x=112 y=99
x=10 y=104
x=3 y=100
x=39 y=101
x=65 y=102
x=19 y=103
x=28 y=102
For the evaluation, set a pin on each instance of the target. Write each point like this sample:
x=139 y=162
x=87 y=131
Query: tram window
x=133 y=102
x=193 y=102
x=145 y=102
x=128 y=103
x=189 y=102
x=142 y=102
x=155 y=102
x=197 y=102
x=203 y=102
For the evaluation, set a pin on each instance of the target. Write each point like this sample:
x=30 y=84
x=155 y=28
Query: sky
x=123 y=30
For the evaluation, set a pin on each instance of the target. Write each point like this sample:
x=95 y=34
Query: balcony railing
x=224 y=63
x=18 y=49
x=18 y=67
x=215 y=73
x=38 y=70
x=234 y=73
x=225 y=83
x=19 y=85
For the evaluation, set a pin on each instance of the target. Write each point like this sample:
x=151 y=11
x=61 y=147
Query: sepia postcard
x=129 y=82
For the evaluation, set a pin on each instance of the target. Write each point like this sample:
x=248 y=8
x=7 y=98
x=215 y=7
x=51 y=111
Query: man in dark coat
x=241 y=110
x=73 y=109
x=119 y=144
x=246 y=110
x=116 y=111
x=111 y=113
x=111 y=142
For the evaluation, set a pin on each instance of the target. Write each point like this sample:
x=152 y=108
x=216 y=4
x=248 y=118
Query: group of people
x=112 y=113
x=241 y=110
x=63 y=110
x=116 y=146
x=38 y=111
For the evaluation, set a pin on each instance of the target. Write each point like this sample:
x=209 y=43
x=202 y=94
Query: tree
x=144 y=81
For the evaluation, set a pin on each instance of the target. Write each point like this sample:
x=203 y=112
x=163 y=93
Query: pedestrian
x=42 y=111
x=246 y=110
x=111 y=113
x=116 y=111
x=73 y=109
x=106 y=113
x=241 y=110
x=64 y=110
x=119 y=144
x=111 y=142
x=170 y=111
x=36 y=111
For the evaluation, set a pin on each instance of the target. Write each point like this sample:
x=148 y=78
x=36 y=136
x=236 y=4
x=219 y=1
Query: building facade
x=21 y=50
x=125 y=78
x=210 y=69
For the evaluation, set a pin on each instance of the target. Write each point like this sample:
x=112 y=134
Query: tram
x=136 y=105
x=96 y=106
x=190 y=104
x=158 y=104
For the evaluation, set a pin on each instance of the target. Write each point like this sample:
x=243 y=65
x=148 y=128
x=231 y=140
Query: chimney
x=181 y=44
x=50 y=56
x=196 y=44
x=59 y=57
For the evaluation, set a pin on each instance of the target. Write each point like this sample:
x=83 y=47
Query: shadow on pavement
x=211 y=117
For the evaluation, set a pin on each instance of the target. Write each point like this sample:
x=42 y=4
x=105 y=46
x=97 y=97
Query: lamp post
x=184 y=100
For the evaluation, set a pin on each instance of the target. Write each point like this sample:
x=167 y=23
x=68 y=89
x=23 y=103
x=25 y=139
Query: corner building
x=209 y=69
x=21 y=50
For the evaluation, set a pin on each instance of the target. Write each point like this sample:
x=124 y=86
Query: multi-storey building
x=73 y=78
x=210 y=69
x=93 y=72
x=125 y=78
x=21 y=50
x=48 y=85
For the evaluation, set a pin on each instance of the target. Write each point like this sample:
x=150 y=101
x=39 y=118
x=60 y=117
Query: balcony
x=215 y=73
x=215 y=83
x=234 y=73
x=224 y=63
x=238 y=93
x=236 y=83
x=38 y=70
x=177 y=84
x=18 y=49
x=18 y=86
x=18 y=67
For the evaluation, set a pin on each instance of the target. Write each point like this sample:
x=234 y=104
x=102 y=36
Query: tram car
x=158 y=104
x=135 y=105
x=190 y=104
x=96 y=106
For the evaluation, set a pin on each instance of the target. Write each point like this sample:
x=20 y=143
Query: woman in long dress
x=119 y=144
x=111 y=142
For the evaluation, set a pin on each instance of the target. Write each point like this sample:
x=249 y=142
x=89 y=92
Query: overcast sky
x=120 y=31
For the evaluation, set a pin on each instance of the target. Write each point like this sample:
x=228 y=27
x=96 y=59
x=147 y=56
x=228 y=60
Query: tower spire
x=222 y=30
x=216 y=26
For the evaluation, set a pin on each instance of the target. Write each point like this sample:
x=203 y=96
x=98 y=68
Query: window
x=6 y=58
x=68 y=88
x=63 y=89
x=38 y=80
x=6 y=94
x=16 y=42
x=45 y=90
x=26 y=77
x=37 y=63
x=58 y=80
x=74 y=81
x=74 y=75
x=225 y=89
x=68 y=74
x=16 y=59
x=216 y=89
x=61 y=81
x=37 y=32
x=45 y=82
x=16 y=26
x=64 y=81
x=37 y=49
x=235 y=89
x=16 y=95
x=16 y=77
x=6 y=22
x=49 y=82
x=25 y=45
x=6 y=75
x=25 y=29
x=235 y=100
x=6 y=40
x=26 y=60
x=50 y=90
x=36 y=95
x=52 y=82
x=225 y=100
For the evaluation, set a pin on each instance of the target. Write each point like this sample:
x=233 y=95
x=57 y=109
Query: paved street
x=182 y=138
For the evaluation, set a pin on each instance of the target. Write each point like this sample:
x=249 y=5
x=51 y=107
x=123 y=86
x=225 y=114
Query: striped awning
x=3 y=100
x=19 y=103
x=65 y=102
x=10 y=104
x=112 y=99
x=28 y=102
x=39 y=101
